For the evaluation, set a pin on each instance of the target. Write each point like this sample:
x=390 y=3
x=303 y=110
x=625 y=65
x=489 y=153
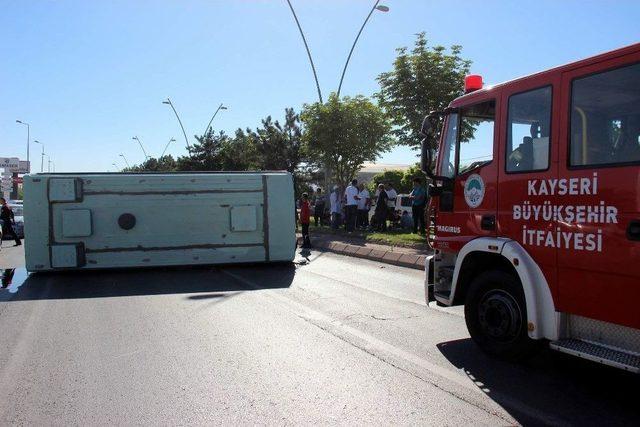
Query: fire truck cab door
x=467 y=205
x=599 y=255
x=528 y=150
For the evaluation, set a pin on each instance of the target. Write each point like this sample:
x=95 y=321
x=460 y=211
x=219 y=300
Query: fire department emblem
x=474 y=190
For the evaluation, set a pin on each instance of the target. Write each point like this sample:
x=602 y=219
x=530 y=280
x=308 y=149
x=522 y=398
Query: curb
x=388 y=257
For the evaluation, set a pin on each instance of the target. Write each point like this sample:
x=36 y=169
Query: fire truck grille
x=598 y=353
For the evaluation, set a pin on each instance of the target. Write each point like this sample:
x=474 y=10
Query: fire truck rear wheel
x=496 y=315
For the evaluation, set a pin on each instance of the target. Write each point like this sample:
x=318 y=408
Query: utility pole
x=375 y=7
x=220 y=107
x=306 y=46
x=41 y=157
x=186 y=140
x=146 y=157
x=125 y=160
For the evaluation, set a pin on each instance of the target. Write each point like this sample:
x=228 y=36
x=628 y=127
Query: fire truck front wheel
x=496 y=315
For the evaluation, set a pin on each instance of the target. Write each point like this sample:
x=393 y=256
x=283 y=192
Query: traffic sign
x=23 y=167
x=9 y=162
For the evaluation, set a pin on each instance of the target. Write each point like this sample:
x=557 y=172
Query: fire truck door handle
x=488 y=222
x=633 y=230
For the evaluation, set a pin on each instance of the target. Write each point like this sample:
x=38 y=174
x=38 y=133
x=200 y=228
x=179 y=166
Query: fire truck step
x=599 y=353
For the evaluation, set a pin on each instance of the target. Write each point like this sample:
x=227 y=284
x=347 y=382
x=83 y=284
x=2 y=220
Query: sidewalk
x=357 y=246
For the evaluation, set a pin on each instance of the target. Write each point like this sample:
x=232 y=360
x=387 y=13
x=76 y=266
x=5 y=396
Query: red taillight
x=472 y=82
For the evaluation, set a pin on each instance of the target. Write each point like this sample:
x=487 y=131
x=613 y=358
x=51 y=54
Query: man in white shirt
x=336 y=208
x=364 y=204
x=351 y=195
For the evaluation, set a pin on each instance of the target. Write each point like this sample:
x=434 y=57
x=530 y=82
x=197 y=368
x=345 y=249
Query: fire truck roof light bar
x=472 y=83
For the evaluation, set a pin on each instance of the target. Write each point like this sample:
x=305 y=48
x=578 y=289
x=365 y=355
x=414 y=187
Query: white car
x=404 y=204
x=18 y=212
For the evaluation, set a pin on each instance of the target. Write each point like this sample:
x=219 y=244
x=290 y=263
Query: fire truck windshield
x=470 y=134
x=476 y=136
x=447 y=154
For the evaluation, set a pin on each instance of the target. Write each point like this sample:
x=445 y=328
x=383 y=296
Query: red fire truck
x=536 y=202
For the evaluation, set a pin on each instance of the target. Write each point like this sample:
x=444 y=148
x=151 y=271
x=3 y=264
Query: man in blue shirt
x=419 y=201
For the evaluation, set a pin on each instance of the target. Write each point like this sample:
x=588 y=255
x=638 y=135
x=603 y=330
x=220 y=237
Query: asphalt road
x=329 y=340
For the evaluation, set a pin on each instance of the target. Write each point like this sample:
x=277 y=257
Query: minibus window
x=605 y=118
x=528 y=131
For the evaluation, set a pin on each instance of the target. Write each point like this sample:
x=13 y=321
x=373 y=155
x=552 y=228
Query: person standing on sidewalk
x=8 y=220
x=364 y=204
x=381 y=212
x=318 y=207
x=392 y=195
x=305 y=220
x=351 y=196
x=418 y=202
x=336 y=207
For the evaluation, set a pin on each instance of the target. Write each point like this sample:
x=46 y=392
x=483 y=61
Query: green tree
x=152 y=164
x=343 y=134
x=220 y=152
x=239 y=153
x=279 y=146
x=393 y=177
x=425 y=79
x=409 y=175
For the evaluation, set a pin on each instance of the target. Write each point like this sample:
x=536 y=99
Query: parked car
x=18 y=211
x=404 y=204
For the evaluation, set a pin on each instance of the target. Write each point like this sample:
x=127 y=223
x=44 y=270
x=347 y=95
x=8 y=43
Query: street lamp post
x=220 y=107
x=146 y=157
x=186 y=140
x=167 y=146
x=375 y=7
x=125 y=160
x=49 y=163
x=306 y=46
x=42 y=157
x=28 y=131
x=116 y=166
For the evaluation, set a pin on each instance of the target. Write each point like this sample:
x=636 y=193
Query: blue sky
x=89 y=75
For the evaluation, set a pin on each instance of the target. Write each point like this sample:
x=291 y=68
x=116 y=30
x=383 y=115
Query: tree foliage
x=409 y=175
x=425 y=79
x=163 y=164
x=220 y=152
x=393 y=177
x=342 y=134
x=273 y=146
x=402 y=181
x=279 y=146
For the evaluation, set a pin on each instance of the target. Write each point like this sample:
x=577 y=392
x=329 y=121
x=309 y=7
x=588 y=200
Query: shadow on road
x=157 y=281
x=550 y=387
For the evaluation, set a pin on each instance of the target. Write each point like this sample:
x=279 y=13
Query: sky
x=89 y=75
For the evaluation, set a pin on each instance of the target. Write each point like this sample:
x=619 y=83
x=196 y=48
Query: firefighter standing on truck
x=7 y=218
